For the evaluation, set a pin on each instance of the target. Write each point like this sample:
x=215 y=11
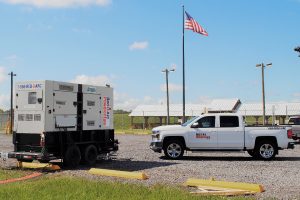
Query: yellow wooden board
x=204 y=190
x=116 y=173
x=225 y=184
x=32 y=165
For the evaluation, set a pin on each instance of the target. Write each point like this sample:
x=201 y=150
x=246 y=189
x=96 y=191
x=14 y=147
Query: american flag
x=191 y=24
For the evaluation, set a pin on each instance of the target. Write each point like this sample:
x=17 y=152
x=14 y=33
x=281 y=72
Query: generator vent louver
x=90 y=103
x=90 y=123
x=37 y=117
x=21 y=117
x=69 y=88
x=29 y=117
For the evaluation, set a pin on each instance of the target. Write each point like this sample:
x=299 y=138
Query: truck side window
x=229 y=121
x=31 y=97
x=206 y=122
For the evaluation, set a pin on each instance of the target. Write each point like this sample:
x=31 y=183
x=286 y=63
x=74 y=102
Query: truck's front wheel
x=265 y=150
x=173 y=149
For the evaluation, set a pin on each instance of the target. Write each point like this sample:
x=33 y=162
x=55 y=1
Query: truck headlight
x=155 y=134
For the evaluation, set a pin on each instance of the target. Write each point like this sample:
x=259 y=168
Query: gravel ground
x=281 y=177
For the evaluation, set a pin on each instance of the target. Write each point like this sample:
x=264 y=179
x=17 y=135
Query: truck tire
x=265 y=150
x=252 y=154
x=173 y=149
x=72 y=156
x=90 y=155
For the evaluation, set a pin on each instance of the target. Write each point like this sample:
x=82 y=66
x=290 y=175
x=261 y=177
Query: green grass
x=122 y=123
x=54 y=187
x=133 y=131
x=8 y=174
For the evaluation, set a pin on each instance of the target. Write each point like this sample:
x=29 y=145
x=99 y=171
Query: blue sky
x=128 y=42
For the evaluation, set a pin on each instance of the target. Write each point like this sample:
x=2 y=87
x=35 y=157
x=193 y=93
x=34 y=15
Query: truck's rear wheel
x=173 y=149
x=265 y=150
x=90 y=155
x=72 y=156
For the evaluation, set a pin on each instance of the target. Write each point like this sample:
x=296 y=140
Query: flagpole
x=183 y=69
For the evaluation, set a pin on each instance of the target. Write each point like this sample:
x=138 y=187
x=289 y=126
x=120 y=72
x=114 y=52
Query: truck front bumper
x=156 y=146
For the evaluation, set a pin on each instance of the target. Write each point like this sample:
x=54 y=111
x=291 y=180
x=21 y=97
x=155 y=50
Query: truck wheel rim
x=266 y=151
x=174 y=150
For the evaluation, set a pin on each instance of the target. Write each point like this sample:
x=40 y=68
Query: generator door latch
x=74 y=103
x=84 y=111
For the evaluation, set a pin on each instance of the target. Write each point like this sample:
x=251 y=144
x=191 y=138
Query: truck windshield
x=189 y=121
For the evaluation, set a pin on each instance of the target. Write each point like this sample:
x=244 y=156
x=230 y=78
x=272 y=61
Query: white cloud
x=125 y=102
x=297 y=95
x=58 y=3
x=172 y=87
x=12 y=57
x=204 y=100
x=81 y=30
x=3 y=74
x=121 y=100
x=139 y=45
x=92 y=80
x=4 y=101
x=39 y=27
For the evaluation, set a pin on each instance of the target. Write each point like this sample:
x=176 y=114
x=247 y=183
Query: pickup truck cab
x=221 y=132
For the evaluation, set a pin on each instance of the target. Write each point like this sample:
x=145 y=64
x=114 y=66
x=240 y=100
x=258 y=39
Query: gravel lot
x=281 y=177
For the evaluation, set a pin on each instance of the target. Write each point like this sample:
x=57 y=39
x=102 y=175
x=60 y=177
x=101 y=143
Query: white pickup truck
x=221 y=132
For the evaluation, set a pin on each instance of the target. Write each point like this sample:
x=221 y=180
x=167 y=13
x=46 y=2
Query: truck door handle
x=84 y=111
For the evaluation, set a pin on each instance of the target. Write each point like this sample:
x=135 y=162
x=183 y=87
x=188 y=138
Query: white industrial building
x=277 y=112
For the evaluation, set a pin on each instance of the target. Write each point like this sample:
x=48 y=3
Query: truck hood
x=168 y=128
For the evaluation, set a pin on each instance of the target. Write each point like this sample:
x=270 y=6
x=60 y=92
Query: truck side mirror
x=195 y=125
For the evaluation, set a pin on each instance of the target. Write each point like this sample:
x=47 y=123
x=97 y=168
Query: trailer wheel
x=90 y=155
x=72 y=156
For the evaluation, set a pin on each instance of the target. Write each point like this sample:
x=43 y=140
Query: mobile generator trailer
x=58 y=120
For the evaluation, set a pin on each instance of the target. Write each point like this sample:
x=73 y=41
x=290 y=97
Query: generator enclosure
x=61 y=114
x=49 y=106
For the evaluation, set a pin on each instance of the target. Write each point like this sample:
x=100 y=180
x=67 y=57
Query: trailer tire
x=72 y=156
x=90 y=155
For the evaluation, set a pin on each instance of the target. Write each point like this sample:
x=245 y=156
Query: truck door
x=230 y=133
x=203 y=134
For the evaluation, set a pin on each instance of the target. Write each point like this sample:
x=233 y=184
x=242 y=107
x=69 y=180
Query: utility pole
x=11 y=74
x=298 y=50
x=263 y=88
x=167 y=86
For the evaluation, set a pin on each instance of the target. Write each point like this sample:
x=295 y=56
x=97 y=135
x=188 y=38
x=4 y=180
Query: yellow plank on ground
x=224 y=184
x=116 y=173
x=31 y=165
